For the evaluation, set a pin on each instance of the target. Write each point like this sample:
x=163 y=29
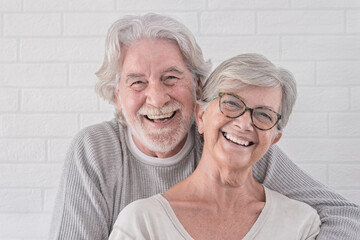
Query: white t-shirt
x=282 y=218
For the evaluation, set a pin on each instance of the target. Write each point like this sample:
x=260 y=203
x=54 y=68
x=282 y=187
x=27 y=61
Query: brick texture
x=301 y=22
x=50 y=50
x=45 y=24
x=353 y=21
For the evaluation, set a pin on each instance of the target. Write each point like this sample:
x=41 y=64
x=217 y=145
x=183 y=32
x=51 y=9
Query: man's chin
x=161 y=148
x=164 y=139
x=161 y=143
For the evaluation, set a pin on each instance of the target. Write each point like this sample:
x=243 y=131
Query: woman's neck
x=217 y=198
x=219 y=186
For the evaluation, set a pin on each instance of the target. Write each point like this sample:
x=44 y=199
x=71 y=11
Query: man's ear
x=199 y=112
x=198 y=89
x=276 y=138
x=117 y=99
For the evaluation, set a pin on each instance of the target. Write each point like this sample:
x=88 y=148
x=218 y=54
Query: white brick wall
x=8 y=50
x=23 y=24
x=301 y=22
x=33 y=75
x=61 y=49
x=50 y=49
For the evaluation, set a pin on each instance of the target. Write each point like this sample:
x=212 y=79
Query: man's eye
x=138 y=85
x=170 y=80
x=137 y=82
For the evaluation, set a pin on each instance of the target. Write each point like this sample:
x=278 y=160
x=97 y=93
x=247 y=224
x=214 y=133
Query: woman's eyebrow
x=256 y=106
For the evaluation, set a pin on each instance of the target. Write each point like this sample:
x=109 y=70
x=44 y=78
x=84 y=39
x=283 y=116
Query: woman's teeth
x=237 y=141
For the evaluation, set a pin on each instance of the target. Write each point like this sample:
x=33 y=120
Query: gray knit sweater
x=101 y=176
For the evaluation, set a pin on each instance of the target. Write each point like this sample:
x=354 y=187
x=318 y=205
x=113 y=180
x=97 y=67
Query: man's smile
x=160 y=117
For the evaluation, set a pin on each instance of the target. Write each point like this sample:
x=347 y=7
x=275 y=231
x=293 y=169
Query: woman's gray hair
x=252 y=70
x=131 y=29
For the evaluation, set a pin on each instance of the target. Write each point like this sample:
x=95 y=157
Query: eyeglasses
x=232 y=106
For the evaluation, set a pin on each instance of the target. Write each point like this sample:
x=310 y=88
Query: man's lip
x=160 y=117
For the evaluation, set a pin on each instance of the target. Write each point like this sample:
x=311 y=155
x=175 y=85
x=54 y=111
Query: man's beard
x=163 y=139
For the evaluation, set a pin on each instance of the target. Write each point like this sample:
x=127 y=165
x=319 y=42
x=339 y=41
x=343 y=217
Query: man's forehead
x=140 y=74
x=138 y=65
x=160 y=51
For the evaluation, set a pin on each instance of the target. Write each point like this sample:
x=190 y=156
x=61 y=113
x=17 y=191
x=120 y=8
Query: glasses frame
x=221 y=94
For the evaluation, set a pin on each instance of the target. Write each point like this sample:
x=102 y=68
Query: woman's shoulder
x=144 y=205
x=146 y=219
x=139 y=210
x=296 y=215
x=285 y=218
x=282 y=203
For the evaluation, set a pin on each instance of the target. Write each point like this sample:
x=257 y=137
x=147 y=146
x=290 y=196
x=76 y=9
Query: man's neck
x=150 y=153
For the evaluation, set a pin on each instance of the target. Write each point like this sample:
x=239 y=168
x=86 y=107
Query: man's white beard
x=164 y=139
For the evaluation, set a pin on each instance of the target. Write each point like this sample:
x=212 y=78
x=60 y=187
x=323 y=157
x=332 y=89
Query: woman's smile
x=235 y=139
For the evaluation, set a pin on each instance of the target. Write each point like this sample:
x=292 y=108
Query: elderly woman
x=246 y=103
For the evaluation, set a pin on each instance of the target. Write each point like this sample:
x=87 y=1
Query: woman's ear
x=199 y=112
x=276 y=138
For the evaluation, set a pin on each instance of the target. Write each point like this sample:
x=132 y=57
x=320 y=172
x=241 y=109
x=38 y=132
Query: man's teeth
x=162 y=116
x=238 y=141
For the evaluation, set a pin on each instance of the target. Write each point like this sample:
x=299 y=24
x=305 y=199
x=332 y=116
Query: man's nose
x=157 y=94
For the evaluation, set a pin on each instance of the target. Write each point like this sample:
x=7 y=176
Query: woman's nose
x=244 y=121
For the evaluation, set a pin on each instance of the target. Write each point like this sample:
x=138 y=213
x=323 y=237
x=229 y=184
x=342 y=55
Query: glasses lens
x=264 y=118
x=231 y=106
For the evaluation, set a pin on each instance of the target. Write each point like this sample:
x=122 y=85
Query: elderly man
x=152 y=72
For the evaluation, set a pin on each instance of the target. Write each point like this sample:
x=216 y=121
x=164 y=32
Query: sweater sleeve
x=340 y=219
x=84 y=206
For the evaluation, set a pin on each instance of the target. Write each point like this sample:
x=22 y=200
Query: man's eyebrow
x=173 y=69
x=133 y=75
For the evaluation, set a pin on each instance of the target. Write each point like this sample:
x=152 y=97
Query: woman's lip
x=238 y=140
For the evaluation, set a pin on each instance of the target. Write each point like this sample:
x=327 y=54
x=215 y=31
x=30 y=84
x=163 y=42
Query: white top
x=282 y=218
x=159 y=161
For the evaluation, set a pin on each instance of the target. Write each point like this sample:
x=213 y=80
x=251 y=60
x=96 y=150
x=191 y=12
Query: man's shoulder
x=100 y=132
x=101 y=139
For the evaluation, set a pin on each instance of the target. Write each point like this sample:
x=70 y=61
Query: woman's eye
x=267 y=116
x=231 y=103
x=264 y=116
